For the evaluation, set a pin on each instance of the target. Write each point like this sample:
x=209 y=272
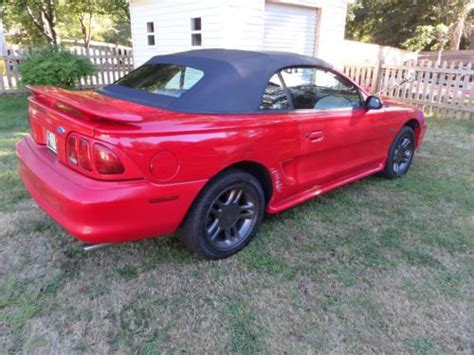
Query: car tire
x=225 y=216
x=400 y=155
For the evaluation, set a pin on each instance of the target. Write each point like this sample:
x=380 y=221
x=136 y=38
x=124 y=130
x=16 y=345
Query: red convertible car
x=206 y=142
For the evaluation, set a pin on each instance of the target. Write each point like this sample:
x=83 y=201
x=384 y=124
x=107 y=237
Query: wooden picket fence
x=365 y=75
x=444 y=88
x=449 y=56
x=110 y=61
x=9 y=79
x=436 y=87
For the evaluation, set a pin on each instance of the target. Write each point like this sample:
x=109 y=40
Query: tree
x=119 y=12
x=117 y=8
x=402 y=23
x=83 y=12
x=435 y=37
x=36 y=22
x=388 y=22
x=460 y=11
x=43 y=15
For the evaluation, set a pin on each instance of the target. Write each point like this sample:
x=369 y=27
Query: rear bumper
x=102 y=211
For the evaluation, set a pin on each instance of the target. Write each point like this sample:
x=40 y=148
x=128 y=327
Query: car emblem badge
x=61 y=130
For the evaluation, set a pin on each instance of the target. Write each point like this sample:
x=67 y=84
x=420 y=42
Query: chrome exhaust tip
x=91 y=247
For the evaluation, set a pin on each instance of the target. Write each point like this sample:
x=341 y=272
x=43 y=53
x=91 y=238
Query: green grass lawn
x=376 y=266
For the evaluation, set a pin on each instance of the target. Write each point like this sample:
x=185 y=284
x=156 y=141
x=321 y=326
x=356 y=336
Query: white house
x=310 y=27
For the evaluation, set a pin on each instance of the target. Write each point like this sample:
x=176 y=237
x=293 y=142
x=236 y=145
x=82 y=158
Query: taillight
x=92 y=158
x=71 y=149
x=84 y=155
x=32 y=127
x=106 y=161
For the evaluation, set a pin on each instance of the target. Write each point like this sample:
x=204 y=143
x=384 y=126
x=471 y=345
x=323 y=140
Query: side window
x=274 y=97
x=319 y=89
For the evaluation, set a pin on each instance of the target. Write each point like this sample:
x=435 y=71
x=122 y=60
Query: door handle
x=315 y=136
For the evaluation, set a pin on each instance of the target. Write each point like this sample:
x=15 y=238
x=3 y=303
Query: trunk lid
x=53 y=113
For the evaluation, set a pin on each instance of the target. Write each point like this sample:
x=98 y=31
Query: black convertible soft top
x=233 y=82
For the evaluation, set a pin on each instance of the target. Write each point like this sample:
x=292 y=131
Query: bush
x=54 y=66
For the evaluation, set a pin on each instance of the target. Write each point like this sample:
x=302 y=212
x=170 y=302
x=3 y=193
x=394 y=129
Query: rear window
x=162 y=79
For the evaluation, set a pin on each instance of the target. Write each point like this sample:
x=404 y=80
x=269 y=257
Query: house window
x=196 y=24
x=196 y=32
x=196 y=39
x=150 y=30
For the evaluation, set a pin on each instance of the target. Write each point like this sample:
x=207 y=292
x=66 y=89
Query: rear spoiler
x=87 y=103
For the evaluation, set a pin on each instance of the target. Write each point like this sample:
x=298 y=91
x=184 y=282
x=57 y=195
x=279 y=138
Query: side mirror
x=373 y=103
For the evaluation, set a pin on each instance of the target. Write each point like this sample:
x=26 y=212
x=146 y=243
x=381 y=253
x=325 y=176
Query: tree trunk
x=438 y=61
x=456 y=34
x=86 y=30
x=3 y=44
x=458 y=26
x=471 y=38
x=44 y=18
x=52 y=22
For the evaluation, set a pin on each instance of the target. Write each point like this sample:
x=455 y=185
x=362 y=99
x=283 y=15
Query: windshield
x=163 y=79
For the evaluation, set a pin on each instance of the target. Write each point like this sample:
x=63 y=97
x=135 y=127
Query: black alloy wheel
x=401 y=154
x=225 y=216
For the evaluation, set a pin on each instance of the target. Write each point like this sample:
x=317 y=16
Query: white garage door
x=289 y=29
